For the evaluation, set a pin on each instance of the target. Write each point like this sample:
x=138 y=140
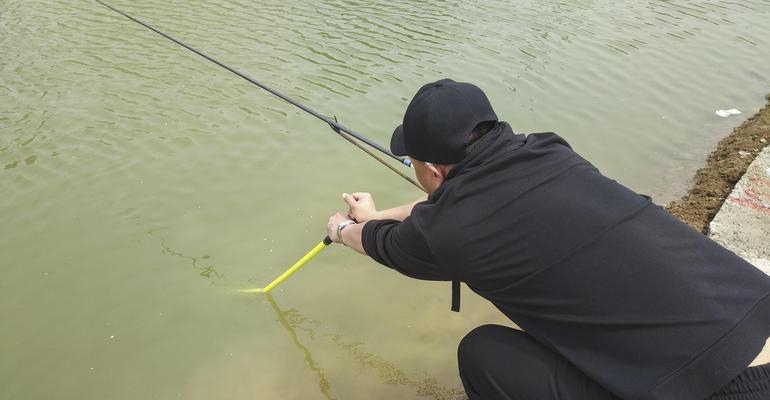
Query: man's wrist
x=377 y=215
x=342 y=225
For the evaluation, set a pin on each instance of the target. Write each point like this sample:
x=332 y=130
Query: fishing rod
x=294 y=268
x=340 y=129
x=335 y=126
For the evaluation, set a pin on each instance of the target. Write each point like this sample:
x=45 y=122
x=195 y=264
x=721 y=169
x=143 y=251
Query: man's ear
x=435 y=170
x=444 y=169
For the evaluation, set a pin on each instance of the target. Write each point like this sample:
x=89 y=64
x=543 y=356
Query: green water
x=139 y=184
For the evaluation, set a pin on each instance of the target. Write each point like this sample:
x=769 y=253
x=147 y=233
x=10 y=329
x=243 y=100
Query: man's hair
x=481 y=130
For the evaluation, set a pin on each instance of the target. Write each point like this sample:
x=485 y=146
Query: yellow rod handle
x=294 y=268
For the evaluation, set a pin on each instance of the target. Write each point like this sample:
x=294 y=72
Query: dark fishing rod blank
x=335 y=126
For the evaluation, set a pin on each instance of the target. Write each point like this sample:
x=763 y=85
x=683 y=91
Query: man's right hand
x=361 y=206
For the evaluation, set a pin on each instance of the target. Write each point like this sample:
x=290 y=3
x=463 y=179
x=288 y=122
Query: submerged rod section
x=337 y=127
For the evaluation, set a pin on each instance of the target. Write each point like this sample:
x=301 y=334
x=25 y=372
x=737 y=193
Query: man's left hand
x=334 y=221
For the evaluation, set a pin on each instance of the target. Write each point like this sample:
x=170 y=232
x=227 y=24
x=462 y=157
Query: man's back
x=641 y=303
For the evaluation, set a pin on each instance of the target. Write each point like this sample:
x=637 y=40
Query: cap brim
x=397 y=145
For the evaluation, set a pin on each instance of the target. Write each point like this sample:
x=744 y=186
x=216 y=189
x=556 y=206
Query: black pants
x=497 y=362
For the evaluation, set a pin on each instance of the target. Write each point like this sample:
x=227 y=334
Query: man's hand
x=331 y=227
x=361 y=206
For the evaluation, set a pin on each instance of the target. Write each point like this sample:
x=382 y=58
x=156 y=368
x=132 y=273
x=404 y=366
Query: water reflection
x=205 y=271
x=292 y=320
x=323 y=383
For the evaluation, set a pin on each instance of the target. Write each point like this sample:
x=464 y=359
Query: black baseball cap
x=439 y=120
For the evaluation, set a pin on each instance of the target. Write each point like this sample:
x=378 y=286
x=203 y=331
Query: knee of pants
x=497 y=362
x=482 y=343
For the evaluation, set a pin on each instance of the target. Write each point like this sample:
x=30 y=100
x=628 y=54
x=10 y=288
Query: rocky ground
x=724 y=168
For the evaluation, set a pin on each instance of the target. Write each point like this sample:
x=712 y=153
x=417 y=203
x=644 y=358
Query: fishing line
x=341 y=130
x=335 y=126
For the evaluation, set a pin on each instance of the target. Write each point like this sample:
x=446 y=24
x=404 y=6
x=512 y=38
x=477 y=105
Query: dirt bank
x=724 y=167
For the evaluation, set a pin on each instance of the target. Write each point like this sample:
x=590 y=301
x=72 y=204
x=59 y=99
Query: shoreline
x=725 y=166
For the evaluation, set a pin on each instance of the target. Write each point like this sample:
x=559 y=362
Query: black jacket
x=640 y=302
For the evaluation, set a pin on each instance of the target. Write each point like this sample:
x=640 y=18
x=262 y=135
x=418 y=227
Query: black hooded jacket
x=640 y=302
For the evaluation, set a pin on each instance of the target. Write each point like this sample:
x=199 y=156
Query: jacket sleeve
x=402 y=247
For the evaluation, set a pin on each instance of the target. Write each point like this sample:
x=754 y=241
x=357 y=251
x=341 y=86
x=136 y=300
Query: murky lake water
x=139 y=184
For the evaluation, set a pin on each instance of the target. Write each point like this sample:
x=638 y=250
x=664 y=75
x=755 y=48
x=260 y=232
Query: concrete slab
x=743 y=223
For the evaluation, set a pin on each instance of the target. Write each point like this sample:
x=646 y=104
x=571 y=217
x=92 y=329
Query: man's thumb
x=348 y=199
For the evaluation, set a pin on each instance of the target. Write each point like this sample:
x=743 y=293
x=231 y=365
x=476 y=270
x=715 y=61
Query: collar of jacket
x=499 y=140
